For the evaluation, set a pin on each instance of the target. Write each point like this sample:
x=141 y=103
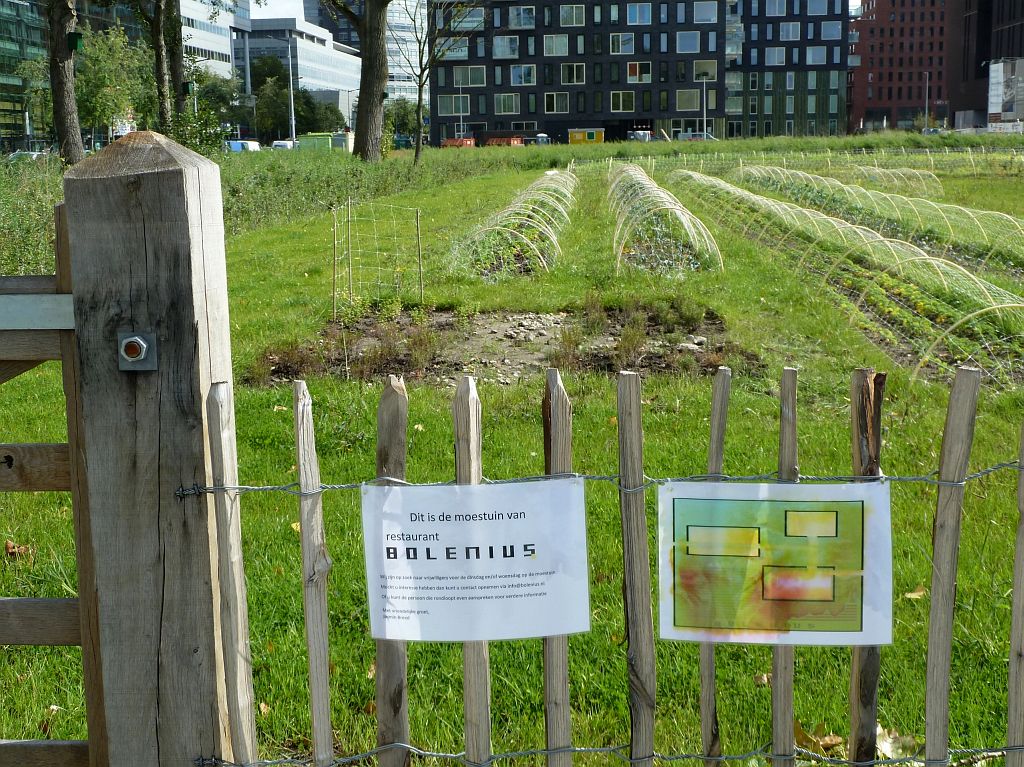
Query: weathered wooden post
x=146 y=236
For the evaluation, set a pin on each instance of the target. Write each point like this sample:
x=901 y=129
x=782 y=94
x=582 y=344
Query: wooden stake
x=957 y=438
x=867 y=389
x=419 y=251
x=636 y=573
x=716 y=453
x=351 y=289
x=783 y=655
x=334 y=268
x=556 y=411
x=234 y=605
x=476 y=675
x=392 y=657
x=316 y=566
x=1015 y=710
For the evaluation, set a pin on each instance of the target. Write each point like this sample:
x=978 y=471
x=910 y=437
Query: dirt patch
x=439 y=347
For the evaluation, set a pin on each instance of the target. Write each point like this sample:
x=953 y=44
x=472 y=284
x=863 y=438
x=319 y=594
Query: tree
x=402 y=114
x=114 y=79
x=428 y=47
x=369 y=17
x=62 y=18
x=35 y=75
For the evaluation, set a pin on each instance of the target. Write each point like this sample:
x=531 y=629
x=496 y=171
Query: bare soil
x=503 y=347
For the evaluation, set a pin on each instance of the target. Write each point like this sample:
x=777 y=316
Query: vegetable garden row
x=937 y=281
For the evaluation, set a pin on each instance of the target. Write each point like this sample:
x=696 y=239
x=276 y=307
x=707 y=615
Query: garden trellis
x=151 y=464
x=377 y=252
x=976 y=234
x=948 y=297
x=653 y=229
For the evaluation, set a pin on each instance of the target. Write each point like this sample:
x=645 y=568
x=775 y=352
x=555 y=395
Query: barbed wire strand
x=621 y=753
x=293 y=488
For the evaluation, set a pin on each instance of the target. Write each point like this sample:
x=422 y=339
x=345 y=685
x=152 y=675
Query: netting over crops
x=653 y=230
x=522 y=237
x=919 y=183
x=981 y=234
x=946 y=313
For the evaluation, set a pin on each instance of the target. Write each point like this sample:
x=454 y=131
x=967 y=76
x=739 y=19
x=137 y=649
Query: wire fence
x=292 y=488
x=958 y=757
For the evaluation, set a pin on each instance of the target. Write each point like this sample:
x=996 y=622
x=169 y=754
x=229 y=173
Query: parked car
x=285 y=144
x=241 y=145
x=23 y=154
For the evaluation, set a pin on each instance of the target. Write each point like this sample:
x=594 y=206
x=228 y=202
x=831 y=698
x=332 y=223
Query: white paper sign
x=775 y=563
x=461 y=563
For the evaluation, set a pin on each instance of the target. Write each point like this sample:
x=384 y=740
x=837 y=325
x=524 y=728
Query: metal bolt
x=134 y=348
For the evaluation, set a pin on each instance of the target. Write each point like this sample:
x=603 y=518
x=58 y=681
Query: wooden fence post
x=636 y=573
x=783 y=655
x=316 y=566
x=234 y=602
x=716 y=456
x=556 y=411
x=957 y=438
x=476 y=674
x=147 y=257
x=392 y=657
x=1015 y=709
x=867 y=389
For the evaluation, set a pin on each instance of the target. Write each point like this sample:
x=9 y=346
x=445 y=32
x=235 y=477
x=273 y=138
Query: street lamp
x=291 y=91
x=703 y=77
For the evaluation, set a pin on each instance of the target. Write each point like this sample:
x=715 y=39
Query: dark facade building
x=740 y=68
x=898 y=65
x=979 y=32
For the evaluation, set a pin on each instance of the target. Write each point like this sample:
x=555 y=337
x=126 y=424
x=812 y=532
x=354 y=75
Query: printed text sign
x=472 y=562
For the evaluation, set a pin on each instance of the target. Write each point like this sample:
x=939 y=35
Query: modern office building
x=979 y=32
x=406 y=20
x=23 y=36
x=898 y=67
x=734 y=68
x=327 y=69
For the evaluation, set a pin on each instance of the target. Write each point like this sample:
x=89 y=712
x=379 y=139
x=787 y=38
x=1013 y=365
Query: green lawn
x=280 y=282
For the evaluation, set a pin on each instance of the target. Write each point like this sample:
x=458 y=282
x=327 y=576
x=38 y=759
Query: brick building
x=898 y=65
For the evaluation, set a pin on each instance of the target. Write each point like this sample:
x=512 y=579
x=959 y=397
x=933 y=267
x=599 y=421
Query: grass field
x=771 y=315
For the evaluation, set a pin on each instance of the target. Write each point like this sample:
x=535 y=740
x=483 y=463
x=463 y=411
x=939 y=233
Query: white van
x=236 y=145
x=283 y=145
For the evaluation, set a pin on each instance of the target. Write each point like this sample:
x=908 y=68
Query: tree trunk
x=175 y=54
x=62 y=17
x=159 y=43
x=373 y=80
x=419 y=122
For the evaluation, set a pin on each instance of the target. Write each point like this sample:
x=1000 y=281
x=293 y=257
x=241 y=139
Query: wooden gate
x=143 y=339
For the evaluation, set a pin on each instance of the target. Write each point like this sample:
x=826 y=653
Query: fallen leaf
x=371 y=672
x=279 y=408
x=14 y=551
x=817 y=740
x=370 y=708
x=613 y=420
x=892 y=745
x=916 y=593
x=417 y=427
x=296 y=527
x=762 y=680
x=264 y=708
